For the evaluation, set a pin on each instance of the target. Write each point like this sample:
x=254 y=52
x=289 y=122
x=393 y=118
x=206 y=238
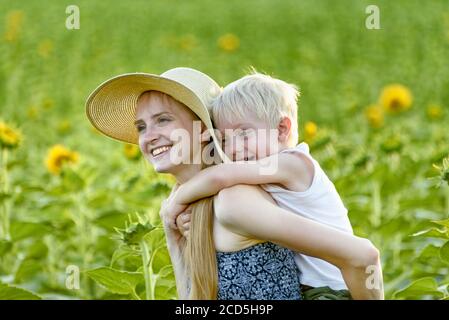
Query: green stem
x=146 y=269
x=377 y=205
x=154 y=277
x=52 y=265
x=85 y=240
x=135 y=295
x=4 y=208
x=446 y=189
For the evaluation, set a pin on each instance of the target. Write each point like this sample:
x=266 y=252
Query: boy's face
x=248 y=139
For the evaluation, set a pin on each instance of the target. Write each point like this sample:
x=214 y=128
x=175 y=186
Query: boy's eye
x=162 y=120
x=237 y=132
x=223 y=140
x=245 y=133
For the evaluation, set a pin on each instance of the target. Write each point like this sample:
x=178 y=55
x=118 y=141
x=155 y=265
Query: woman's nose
x=151 y=135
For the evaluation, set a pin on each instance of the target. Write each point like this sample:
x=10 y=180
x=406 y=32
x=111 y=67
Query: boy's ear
x=284 y=128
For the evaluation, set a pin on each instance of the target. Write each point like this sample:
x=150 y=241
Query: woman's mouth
x=160 y=150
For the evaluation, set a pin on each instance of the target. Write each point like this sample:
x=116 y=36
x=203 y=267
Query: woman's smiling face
x=157 y=117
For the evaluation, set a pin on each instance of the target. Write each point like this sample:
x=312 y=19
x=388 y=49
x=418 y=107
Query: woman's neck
x=186 y=172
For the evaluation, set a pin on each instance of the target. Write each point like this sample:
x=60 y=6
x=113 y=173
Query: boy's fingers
x=185 y=217
x=186 y=226
x=172 y=223
x=179 y=222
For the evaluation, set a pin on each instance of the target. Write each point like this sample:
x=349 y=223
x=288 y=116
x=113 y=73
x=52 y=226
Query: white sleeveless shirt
x=321 y=203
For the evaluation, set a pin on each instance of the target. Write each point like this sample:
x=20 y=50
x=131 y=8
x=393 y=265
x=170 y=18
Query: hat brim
x=111 y=107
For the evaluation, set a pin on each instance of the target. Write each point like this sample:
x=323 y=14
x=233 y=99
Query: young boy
x=257 y=118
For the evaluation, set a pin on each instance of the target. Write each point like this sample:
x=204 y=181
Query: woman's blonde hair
x=268 y=98
x=200 y=255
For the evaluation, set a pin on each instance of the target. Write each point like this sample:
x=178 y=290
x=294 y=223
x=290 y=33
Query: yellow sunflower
x=14 y=21
x=9 y=137
x=188 y=42
x=396 y=98
x=131 y=151
x=45 y=48
x=310 y=130
x=434 y=111
x=64 y=126
x=228 y=42
x=32 y=112
x=375 y=116
x=58 y=156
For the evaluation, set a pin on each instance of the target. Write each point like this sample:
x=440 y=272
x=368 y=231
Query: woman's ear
x=284 y=128
x=205 y=134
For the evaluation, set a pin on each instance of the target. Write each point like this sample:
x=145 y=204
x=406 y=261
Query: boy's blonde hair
x=268 y=98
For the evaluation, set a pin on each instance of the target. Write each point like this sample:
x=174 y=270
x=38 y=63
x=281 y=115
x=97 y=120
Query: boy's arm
x=284 y=169
x=289 y=170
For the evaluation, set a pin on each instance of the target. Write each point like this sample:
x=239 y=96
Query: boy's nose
x=239 y=155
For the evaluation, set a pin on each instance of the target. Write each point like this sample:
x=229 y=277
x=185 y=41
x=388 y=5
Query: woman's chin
x=162 y=167
x=165 y=164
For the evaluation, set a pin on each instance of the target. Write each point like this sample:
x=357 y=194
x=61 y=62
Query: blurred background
x=79 y=210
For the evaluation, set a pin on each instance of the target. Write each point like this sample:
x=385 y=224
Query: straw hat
x=111 y=108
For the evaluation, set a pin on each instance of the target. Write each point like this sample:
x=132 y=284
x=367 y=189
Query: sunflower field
x=79 y=212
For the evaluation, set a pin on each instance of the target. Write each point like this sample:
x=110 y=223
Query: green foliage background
x=47 y=72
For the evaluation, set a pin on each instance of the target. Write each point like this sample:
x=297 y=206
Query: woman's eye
x=140 y=128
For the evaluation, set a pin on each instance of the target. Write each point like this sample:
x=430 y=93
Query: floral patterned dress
x=264 y=271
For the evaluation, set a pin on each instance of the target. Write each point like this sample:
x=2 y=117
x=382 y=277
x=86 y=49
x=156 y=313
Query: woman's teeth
x=159 y=150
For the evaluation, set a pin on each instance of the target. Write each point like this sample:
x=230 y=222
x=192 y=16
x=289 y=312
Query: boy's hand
x=174 y=236
x=172 y=211
x=183 y=222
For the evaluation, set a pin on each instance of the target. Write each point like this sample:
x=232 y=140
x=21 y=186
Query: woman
x=208 y=264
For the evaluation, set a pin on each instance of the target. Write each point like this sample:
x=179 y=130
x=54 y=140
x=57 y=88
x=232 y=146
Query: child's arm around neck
x=293 y=171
